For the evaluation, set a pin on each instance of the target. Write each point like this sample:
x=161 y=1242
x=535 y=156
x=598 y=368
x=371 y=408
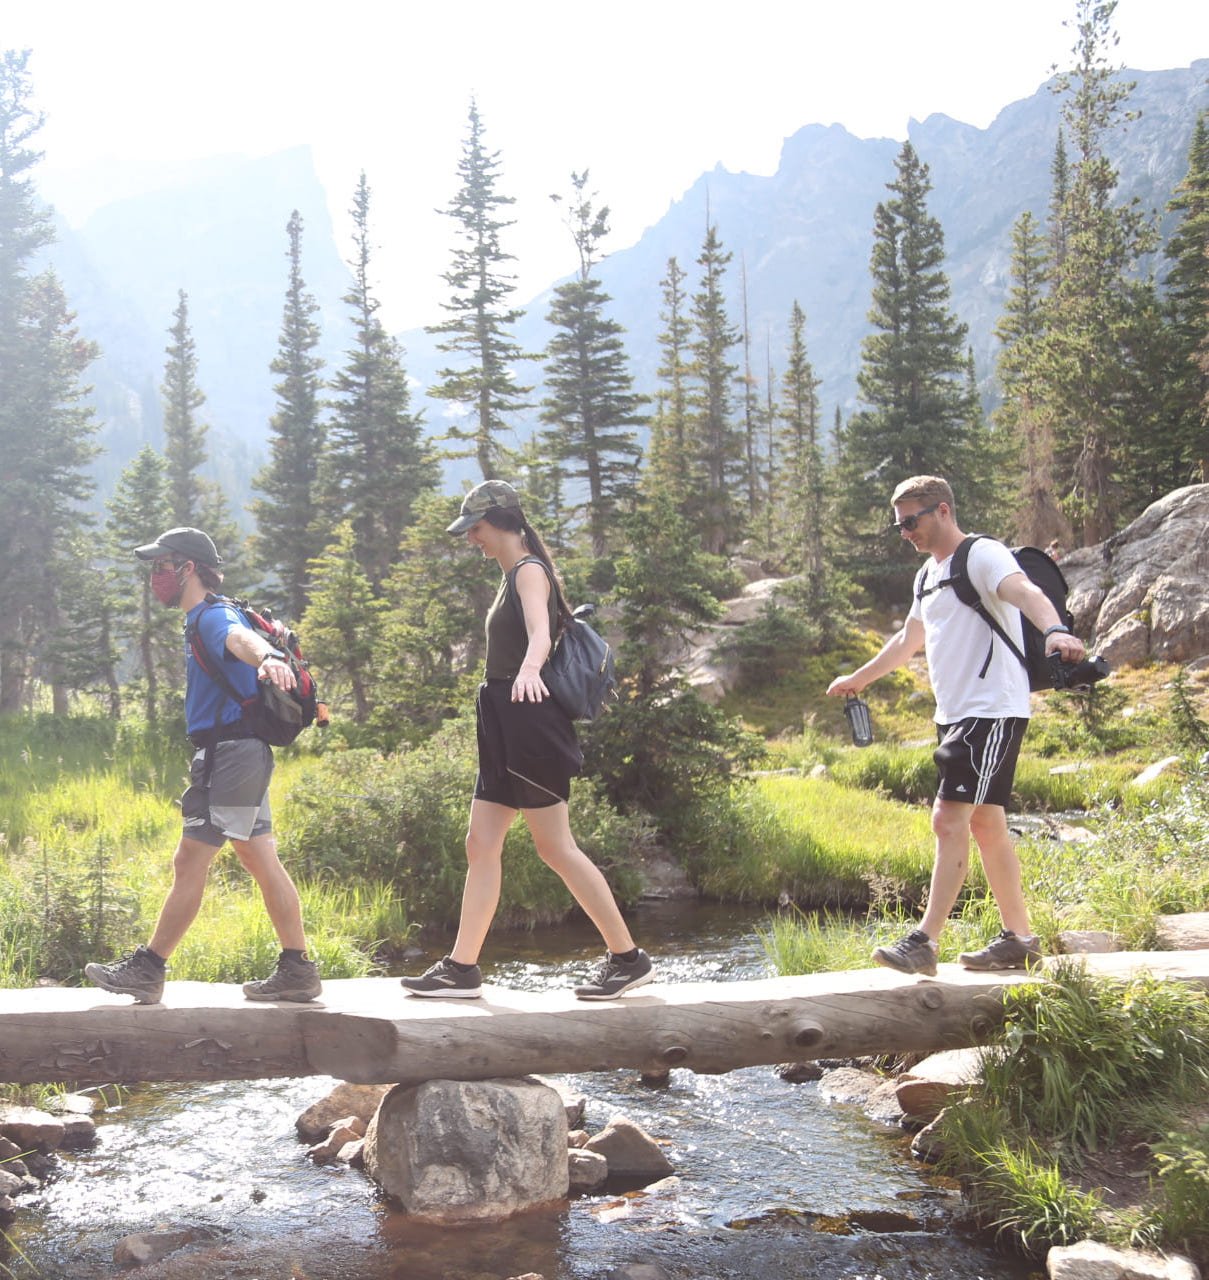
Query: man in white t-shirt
x=982 y=710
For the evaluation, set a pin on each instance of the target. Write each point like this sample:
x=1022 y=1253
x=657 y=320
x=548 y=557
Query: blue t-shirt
x=205 y=701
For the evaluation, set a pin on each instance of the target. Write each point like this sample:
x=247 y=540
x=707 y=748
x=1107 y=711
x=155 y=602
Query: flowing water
x=773 y=1182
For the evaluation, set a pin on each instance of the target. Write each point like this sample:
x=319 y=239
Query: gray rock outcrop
x=1140 y=594
x=459 y=1151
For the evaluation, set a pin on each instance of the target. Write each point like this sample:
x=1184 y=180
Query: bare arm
x=533 y=587
x=248 y=647
x=896 y=652
x=1020 y=590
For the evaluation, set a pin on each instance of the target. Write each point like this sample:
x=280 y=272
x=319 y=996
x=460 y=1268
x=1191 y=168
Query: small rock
x=352 y=1154
x=529 y=1275
x=1156 y=770
x=1074 y=942
x=10 y=1183
x=343 y=1132
x=72 y=1104
x=926 y=1144
x=360 y=1100
x=30 y=1128
x=800 y=1072
x=8 y=1149
x=923 y=1090
x=638 y=1271
x=587 y=1170
x=78 y=1131
x=875 y=1096
x=631 y=1152
x=1187 y=932
x=1090 y=1260
x=577 y=1137
x=8 y=1210
x=150 y=1246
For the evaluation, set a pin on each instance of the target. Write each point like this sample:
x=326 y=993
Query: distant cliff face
x=802 y=234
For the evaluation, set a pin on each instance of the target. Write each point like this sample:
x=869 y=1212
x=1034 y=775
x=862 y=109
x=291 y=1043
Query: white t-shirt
x=956 y=640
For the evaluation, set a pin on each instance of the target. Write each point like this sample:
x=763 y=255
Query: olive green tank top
x=507 y=640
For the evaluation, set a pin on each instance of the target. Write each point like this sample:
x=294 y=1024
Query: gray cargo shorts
x=235 y=804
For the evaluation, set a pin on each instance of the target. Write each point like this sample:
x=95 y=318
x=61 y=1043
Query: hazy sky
x=646 y=94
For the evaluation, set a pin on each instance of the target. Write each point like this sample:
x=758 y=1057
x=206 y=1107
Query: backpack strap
x=216 y=673
x=967 y=593
x=514 y=595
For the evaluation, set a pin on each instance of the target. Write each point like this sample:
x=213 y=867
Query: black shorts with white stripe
x=976 y=759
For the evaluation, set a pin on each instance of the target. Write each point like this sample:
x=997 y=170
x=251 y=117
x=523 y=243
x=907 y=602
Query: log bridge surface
x=367 y=1031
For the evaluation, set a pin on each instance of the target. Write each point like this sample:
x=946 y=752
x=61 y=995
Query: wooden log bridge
x=367 y=1031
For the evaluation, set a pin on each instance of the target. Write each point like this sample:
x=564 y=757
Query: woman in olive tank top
x=528 y=754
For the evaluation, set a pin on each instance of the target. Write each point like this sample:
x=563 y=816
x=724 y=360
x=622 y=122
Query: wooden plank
x=367 y=1031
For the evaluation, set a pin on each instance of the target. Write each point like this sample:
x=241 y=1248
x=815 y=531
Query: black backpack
x=271 y=714
x=1041 y=571
x=580 y=672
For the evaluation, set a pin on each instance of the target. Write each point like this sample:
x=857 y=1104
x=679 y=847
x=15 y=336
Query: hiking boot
x=292 y=979
x=139 y=974
x=916 y=953
x=614 y=977
x=1008 y=951
x=445 y=979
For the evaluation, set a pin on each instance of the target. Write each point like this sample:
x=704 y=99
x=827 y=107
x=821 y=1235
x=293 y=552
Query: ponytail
x=512 y=520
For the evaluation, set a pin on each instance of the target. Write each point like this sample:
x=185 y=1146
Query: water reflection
x=762 y=1166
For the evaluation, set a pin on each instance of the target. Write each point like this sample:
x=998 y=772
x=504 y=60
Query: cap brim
x=462 y=523
x=152 y=551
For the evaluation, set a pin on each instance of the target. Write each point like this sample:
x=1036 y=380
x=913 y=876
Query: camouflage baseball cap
x=491 y=493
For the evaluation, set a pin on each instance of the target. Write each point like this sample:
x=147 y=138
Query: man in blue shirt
x=228 y=795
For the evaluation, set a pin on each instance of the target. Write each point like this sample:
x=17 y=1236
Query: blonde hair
x=924 y=489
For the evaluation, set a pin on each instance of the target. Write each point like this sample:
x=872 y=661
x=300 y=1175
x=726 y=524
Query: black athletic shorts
x=976 y=759
x=528 y=751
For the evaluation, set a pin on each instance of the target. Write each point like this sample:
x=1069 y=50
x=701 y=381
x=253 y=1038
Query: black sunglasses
x=911 y=522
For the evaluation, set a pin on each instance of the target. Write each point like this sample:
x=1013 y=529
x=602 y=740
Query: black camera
x=1077 y=675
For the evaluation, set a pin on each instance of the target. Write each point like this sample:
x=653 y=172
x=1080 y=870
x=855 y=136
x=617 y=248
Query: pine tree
x=184 y=434
x=377 y=461
x=667 y=468
x=1084 y=359
x=45 y=429
x=343 y=623
x=478 y=329
x=1187 y=306
x=716 y=446
x=1021 y=418
x=592 y=402
x=802 y=523
x=139 y=511
x=287 y=517
x=751 y=417
x=913 y=369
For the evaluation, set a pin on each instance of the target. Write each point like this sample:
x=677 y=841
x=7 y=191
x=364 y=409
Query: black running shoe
x=614 y=977
x=1008 y=951
x=446 y=979
x=292 y=979
x=138 y=974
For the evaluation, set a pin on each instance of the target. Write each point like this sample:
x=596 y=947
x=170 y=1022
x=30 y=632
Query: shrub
x=401 y=819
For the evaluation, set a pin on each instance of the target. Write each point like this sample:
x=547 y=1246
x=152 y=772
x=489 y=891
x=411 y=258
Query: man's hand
x=277 y=671
x=841 y=686
x=1070 y=648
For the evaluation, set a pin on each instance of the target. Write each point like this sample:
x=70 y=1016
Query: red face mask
x=166 y=586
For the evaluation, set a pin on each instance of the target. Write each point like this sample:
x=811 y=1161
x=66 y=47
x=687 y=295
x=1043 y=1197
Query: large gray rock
x=1140 y=594
x=458 y=1151
x=1188 y=932
x=152 y=1246
x=1090 y=1260
x=876 y=1096
x=924 y=1090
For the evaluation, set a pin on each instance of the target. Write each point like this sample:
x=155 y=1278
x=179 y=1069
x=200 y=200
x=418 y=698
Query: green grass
x=818 y=843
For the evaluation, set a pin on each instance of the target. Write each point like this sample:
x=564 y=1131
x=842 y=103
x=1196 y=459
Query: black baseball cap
x=188 y=544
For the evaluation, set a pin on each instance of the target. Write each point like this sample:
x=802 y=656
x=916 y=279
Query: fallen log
x=366 y=1031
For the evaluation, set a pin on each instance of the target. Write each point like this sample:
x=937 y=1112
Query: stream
x=773 y=1181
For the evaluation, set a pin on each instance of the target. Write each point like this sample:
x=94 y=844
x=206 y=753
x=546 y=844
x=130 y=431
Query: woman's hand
x=528 y=685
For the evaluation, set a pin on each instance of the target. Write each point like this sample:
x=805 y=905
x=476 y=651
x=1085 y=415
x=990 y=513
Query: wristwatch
x=1056 y=629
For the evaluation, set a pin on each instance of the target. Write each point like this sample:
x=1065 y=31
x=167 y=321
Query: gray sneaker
x=138 y=974
x=614 y=977
x=1008 y=951
x=291 y=980
x=915 y=953
x=445 y=979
